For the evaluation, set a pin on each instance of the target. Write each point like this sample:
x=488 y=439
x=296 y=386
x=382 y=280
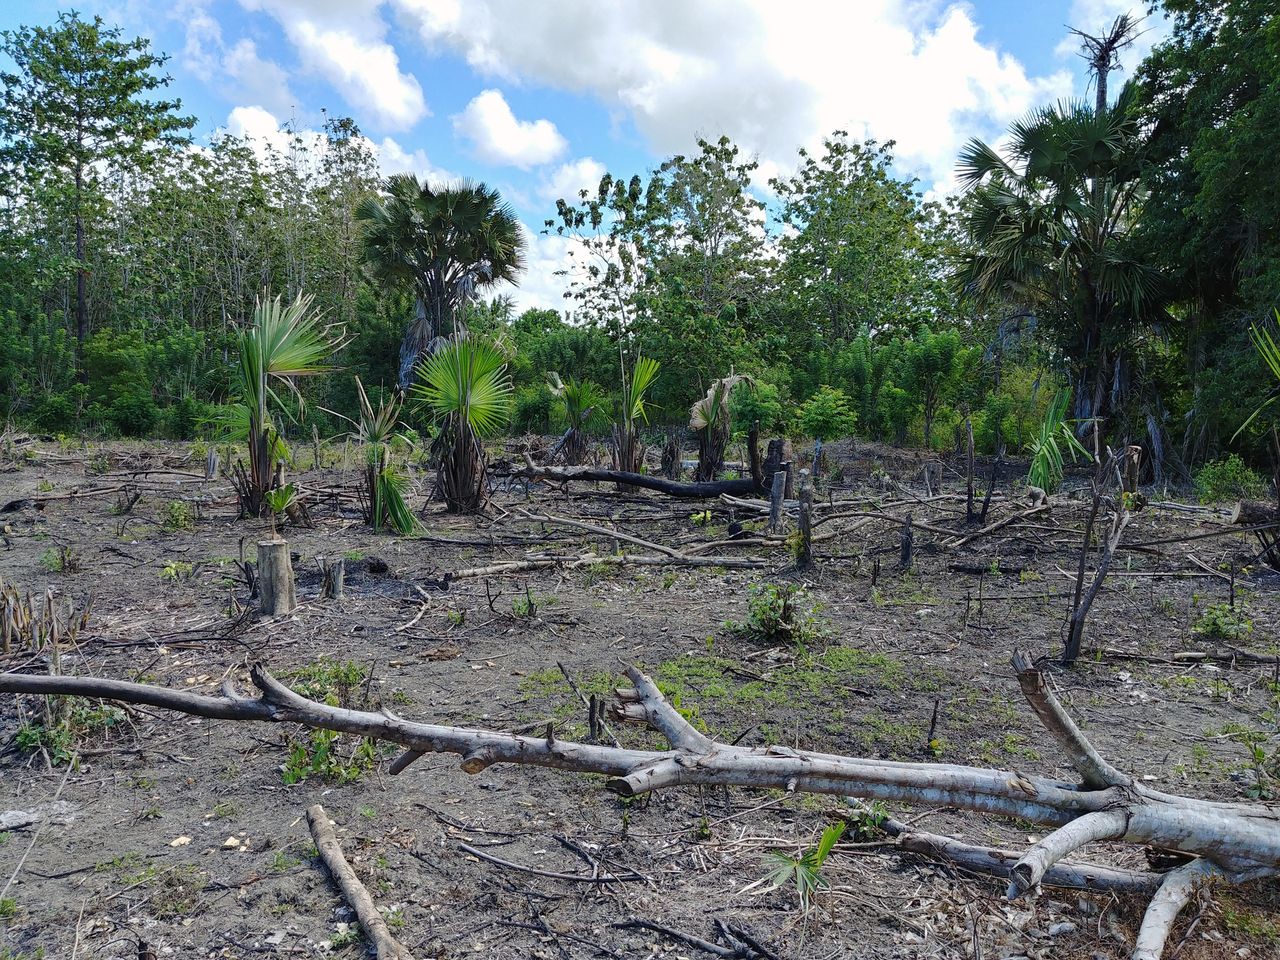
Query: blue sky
x=538 y=97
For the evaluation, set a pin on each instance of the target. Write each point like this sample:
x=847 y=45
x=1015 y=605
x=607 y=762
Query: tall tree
x=1052 y=228
x=448 y=244
x=860 y=248
x=78 y=108
x=1210 y=95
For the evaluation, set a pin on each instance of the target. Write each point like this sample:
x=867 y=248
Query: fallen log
x=1254 y=513
x=1234 y=841
x=673 y=488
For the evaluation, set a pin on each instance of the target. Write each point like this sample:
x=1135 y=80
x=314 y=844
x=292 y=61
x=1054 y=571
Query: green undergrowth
x=327 y=754
x=842 y=698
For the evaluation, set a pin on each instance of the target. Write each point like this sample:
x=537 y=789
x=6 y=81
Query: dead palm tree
x=447 y=244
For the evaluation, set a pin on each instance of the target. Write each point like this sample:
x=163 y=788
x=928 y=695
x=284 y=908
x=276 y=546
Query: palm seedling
x=710 y=419
x=284 y=343
x=468 y=392
x=385 y=486
x=581 y=405
x=1054 y=439
x=633 y=410
x=805 y=870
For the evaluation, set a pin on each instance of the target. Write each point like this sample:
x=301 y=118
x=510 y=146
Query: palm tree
x=633 y=409
x=710 y=418
x=448 y=243
x=466 y=388
x=581 y=404
x=1050 y=230
x=385 y=486
x=284 y=343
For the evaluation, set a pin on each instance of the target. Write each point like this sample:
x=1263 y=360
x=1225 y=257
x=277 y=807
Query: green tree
x=79 y=108
x=1210 y=95
x=860 y=249
x=1052 y=228
x=447 y=244
x=934 y=362
x=826 y=416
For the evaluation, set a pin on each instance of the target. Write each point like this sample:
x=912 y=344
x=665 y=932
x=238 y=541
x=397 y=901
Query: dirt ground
x=187 y=837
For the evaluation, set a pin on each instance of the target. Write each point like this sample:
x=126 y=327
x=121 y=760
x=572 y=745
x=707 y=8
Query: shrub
x=132 y=414
x=826 y=415
x=762 y=402
x=533 y=409
x=1229 y=479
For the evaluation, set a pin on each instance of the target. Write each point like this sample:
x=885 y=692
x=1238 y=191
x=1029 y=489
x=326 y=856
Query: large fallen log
x=672 y=488
x=1236 y=842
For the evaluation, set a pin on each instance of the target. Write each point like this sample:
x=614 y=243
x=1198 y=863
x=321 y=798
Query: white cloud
x=344 y=40
x=568 y=179
x=539 y=286
x=498 y=137
x=393 y=158
x=238 y=71
x=772 y=76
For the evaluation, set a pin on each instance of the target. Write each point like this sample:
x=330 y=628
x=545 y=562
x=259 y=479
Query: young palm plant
x=467 y=390
x=384 y=486
x=805 y=870
x=581 y=405
x=709 y=417
x=1047 y=447
x=284 y=343
x=633 y=410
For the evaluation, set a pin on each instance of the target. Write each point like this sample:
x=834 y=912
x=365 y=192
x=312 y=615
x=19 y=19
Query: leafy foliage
x=466 y=389
x=1228 y=479
x=826 y=415
x=1050 y=447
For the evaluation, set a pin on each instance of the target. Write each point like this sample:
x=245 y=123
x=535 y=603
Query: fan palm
x=385 y=486
x=1050 y=229
x=447 y=243
x=581 y=404
x=710 y=418
x=284 y=343
x=466 y=388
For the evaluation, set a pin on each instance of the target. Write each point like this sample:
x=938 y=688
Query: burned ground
x=188 y=835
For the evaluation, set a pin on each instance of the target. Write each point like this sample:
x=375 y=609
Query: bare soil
x=183 y=835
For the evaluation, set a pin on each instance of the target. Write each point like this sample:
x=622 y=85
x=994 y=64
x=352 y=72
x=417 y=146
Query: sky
x=540 y=97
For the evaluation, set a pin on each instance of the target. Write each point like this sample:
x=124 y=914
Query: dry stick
x=605 y=531
x=1177 y=889
x=1083 y=601
x=998 y=525
x=551 y=874
x=371 y=921
x=586 y=702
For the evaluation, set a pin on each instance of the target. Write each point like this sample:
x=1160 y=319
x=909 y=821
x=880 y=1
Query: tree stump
x=775 y=501
x=276 y=593
x=332 y=577
x=1132 y=466
x=804 y=555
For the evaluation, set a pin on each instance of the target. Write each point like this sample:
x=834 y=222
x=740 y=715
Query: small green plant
x=1222 y=621
x=175 y=570
x=526 y=607
x=353 y=556
x=700 y=519
x=456 y=618
x=8 y=908
x=283 y=863
x=780 y=613
x=60 y=560
x=178 y=516
x=1054 y=439
x=44 y=486
x=805 y=870
x=867 y=819
x=1229 y=479
x=278 y=502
